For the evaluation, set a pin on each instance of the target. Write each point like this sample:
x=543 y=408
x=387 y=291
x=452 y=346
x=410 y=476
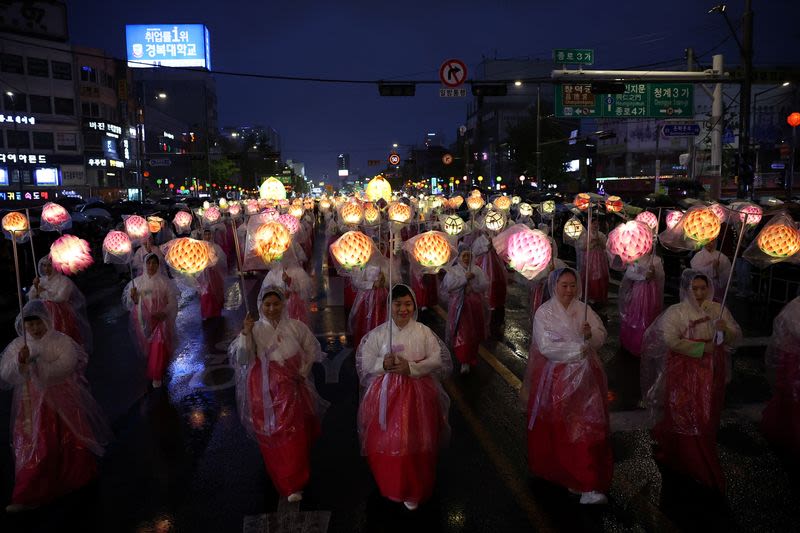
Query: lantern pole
x=239 y=263
x=19 y=283
x=655 y=235
x=30 y=237
x=389 y=300
x=586 y=263
x=720 y=337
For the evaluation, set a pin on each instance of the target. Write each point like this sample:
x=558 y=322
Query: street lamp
x=161 y=96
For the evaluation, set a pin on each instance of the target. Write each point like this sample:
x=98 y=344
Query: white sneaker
x=593 y=498
x=411 y=506
x=464 y=368
x=295 y=497
x=156 y=383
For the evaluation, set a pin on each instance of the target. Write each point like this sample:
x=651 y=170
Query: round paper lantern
x=673 y=217
x=271 y=240
x=548 y=207
x=701 y=225
x=235 y=210
x=630 y=241
x=283 y=204
x=291 y=223
x=154 y=224
x=136 y=228
x=525 y=209
x=352 y=250
x=515 y=200
x=325 y=205
x=475 y=192
x=212 y=215
x=296 y=211
x=721 y=212
x=793 y=119
x=182 y=221
x=502 y=203
x=308 y=204
x=648 y=218
x=753 y=213
x=371 y=214
x=779 y=240
x=474 y=203
x=187 y=256
x=223 y=204
x=70 y=254
x=573 y=228
x=272 y=189
x=378 y=188
x=582 y=201
x=431 y=250
x=453 y=225
x=456 y=202
x=55 y=215
x=15 y=223
x=117 y=243
x=494 y=221
x=206 y=205
x=351 y=213
x=613 y=204
x=528 y=251
x=251 y=207
x=399 y=212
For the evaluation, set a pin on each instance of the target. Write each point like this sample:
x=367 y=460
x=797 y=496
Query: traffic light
x=396 y=89
x=489 y=89
x=607 y=87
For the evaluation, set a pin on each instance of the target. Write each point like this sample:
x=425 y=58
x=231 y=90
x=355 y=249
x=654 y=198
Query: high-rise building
x=343 y=166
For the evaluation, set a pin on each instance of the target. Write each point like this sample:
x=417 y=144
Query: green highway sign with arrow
x=640 y=100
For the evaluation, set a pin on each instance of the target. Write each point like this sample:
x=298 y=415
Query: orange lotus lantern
x=118 y=245
x=701 y=225
x=70 y=254
x=136 y=228
x=525 y=209
x=779 y=240
x=456 y=202
x=378 y=188
x=453 y=225
x=399 y=212
x=291 y=223
x=54 y=217
x=793 y=119
x=351 y=213
x=15 y=223
x=582 y=201
x=325 y=205
x=188 y=256
x=352 y=250
x=154 y=224
x=649 y=218
x=272 y=189
x=431 y=249
x=271 y=240
x=528 y=252
x=502 y=203
x=182 y=221
x=573 y=228
x=475 y=192
x=630 y=241
x=371 y=214
x=753 y=212
x=474 y=203
x=673 y=217
x=613 y=204
x=494 y=221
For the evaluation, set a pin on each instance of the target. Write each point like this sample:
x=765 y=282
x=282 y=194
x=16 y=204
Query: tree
x=225 y=172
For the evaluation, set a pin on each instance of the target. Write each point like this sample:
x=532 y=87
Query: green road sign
x=574 y=56
x=640 y=100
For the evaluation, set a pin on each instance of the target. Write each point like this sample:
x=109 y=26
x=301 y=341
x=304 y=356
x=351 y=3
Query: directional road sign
x=574 y=56
x=453 y=73
x=681 y=130
x=640 y=100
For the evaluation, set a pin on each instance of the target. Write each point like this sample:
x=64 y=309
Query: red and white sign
x=453 y=73
x=394 y=159
x=447 y=159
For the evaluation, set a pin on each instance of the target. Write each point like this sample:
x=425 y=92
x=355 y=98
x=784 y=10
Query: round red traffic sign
x=453 y=73
x=394 y=159
x=447 y=159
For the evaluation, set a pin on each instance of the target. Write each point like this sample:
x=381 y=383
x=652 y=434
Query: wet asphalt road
x=182 y=462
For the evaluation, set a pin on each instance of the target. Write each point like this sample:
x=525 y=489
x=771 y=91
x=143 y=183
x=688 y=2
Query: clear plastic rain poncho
x=392 y=401
x=487 y=259
x=137 y=261
x=372 y=283
x=715 y=265
x=51 y=392
x=640 y=299
x=298 y=285
x=65 y=303
x=274 y=388
x=468 y=310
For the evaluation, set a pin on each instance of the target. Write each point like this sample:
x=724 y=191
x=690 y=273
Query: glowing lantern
x=431 y=249
x=182 y=221
x=154 y=224
x=371 y=214
x=235 y=210
x=54 y=217
x=378 y=188
x=701 y=225
x=272 y=189
x=474 y=203
x=753 y=213
x=271 y=240
x=548 y=207
x=399 y=212
x=721 y=212
x=475 y=192
x=515 y=200
x=270 y=214
x=206 y=205
x=223 y=204
x=582 y=201
x=456 y=201
x=296 y=211
x=793 y=119
x=291 y=223
x=15 y=223
x=779 y=240
x=453 y=225
x=325 y=205
x=630 y=241
x=297 y=201
x=187 y=256
x=251 y=207
x=283 y=204
x=648 y=218
x=435 y=202
x=351 y=213
x=136 y=228
x=573 y=228
x=352 y=250
x=502 y=203
x=613 y=204
x=212 y=215
x=494 y=221
x=673 y=217
x=117 y=247
x=528 y=252
x=70 y=254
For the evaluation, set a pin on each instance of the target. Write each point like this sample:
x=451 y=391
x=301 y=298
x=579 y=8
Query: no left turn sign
x=453 y=73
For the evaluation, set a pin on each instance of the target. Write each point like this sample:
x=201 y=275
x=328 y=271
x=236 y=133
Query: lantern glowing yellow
x=223 y=204
x=325 y=205
x=352 y=250
x=399 y=212
x=55 y=216
x=431 y=250
x=371 y=214
x=453 y=225
x=70 y=254
x=630 y=241
x=515 y=200
x=613 y=204
x=701 y=225
x=502 y=203
x=548 y=207
x=582 y=201
x=648 y=218
x=779 y=240
x=525 y=209
x=15 y=223
x=494 y=221
x=187 y=256
x=378 y=188
x=272 y=189
x=271 y=240
x=474 y=203
x=475 y=192
x=573 y=228
x=456 y=202
x=296 y=211
x=351 y=213
x=117 y=243
x=673 y=217
x=154 y=224
x=136 y=228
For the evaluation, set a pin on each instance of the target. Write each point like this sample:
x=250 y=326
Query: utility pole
x=690 y=68
x=716 y=133
x=538 y=137
x=745 y=186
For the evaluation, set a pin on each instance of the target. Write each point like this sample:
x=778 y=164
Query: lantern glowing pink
x=251 y=207
x=182 y=222
x=263 y=203
x=352 y=250
x=234 y=210
x=117 y=247
x=136 y=228
x=649 y=218
x=283 y=204
x=528 y=252
x=721 y=212
x=54 y=217
x=70 y=254
x=673 y=217
x=753 y=213
x=582 y=201
x=630 y=241
x=212 y=215
x=291 y=223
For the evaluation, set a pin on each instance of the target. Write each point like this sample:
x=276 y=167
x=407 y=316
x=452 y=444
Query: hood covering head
x=33 y=309
x=43 y=262
x=400 y=290
x=552 y=281
x=277 y=291
x=687 y=277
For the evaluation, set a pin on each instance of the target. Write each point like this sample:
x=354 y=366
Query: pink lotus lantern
x=251 y=207
x=234 y=210
x=137 y=229
x=630 y=241
x=182 y=222
x=54 y=217
x=263 y=203
x=117 y=247
x=753 y=212
x=721 y=212
x=649 y=218
x=70 y=254
x=528 y=252
x=582 y=201
x=291 y=223
x=283 y=203
x=212 y=215
x=673 y=217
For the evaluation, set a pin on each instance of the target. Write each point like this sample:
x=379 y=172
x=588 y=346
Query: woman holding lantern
x=298 y=287
x=684 y=372
x=211 y=281
x=152 y=299
x=641 y=297
x=148 y=247
x=402 y=419
x=598 y=263
x=566 y=395
x=278 y=404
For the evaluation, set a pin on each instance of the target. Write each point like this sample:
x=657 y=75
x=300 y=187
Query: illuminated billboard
x=168 y=45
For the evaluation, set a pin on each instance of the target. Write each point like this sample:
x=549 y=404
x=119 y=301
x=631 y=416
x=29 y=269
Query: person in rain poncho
x=487 y=259
x=565 y=393
x=402 y=418
x=137 y=261
x=295 y=283
x=685 y=360
x=538 y=285
x=781 y=418
x=641 y=296
x=278 y=404
x=57 y=427
x=152 y=299
x=64 y=301
x=371 y=282
x=468 y=310
x=211 y=280
x=715 y=265
x=598 y=264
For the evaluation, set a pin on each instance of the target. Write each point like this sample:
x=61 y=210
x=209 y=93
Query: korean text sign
x=168 y=45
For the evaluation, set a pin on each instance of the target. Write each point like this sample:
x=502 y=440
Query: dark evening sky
x=409 y=39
